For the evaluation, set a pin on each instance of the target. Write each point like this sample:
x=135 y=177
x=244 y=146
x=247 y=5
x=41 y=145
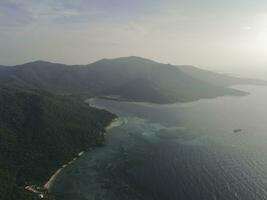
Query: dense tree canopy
x=39 y=132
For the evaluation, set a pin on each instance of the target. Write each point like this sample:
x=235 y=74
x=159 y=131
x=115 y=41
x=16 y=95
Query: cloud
x=86 y=30
x=40 y=10
x=36 y=12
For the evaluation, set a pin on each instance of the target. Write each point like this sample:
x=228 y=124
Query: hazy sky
x=216 y=34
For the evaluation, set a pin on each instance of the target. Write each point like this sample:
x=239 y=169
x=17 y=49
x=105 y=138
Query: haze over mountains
x=131 y=78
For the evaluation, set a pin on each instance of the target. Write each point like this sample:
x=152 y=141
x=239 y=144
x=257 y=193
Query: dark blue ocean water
x=177 y=151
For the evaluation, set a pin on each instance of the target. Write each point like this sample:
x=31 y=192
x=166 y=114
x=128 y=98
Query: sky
x=227 y=36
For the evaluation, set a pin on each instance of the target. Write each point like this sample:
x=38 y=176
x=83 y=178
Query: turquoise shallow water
x=177 y=151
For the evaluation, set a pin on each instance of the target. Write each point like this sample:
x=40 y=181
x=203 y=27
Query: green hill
x=39 y=132
x=131 y=78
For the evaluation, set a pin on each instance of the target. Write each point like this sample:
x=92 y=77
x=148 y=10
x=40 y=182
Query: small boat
x=237 y=130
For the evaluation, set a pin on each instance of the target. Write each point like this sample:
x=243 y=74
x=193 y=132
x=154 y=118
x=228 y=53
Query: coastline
x=118 y=121
x=43 y=191
x=115 y=123
x=47 y=186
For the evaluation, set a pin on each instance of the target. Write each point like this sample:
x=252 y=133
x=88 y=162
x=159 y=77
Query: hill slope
x=132 y=78
x=217 y=78
x=40 y=132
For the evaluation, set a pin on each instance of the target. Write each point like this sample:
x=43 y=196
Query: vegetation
x=39 y=132
x=131 y=78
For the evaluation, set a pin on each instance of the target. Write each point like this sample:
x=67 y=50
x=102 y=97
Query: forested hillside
x=39 y=132
x=131 y=78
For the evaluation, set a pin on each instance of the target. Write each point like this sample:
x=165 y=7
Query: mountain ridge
x=219 y=78
x=169 y=83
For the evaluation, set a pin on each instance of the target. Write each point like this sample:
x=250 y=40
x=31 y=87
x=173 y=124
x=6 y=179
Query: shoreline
x=117 y=122
x=44 y=191
x=48 y=184
x=114 y=123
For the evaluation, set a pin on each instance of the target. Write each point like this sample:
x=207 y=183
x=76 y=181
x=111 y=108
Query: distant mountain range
x=130 y=78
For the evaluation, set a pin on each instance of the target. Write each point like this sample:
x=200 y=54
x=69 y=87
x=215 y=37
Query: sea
x=211 y=149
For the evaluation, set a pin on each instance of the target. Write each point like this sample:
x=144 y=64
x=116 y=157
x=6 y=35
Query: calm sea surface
x=207 y=150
